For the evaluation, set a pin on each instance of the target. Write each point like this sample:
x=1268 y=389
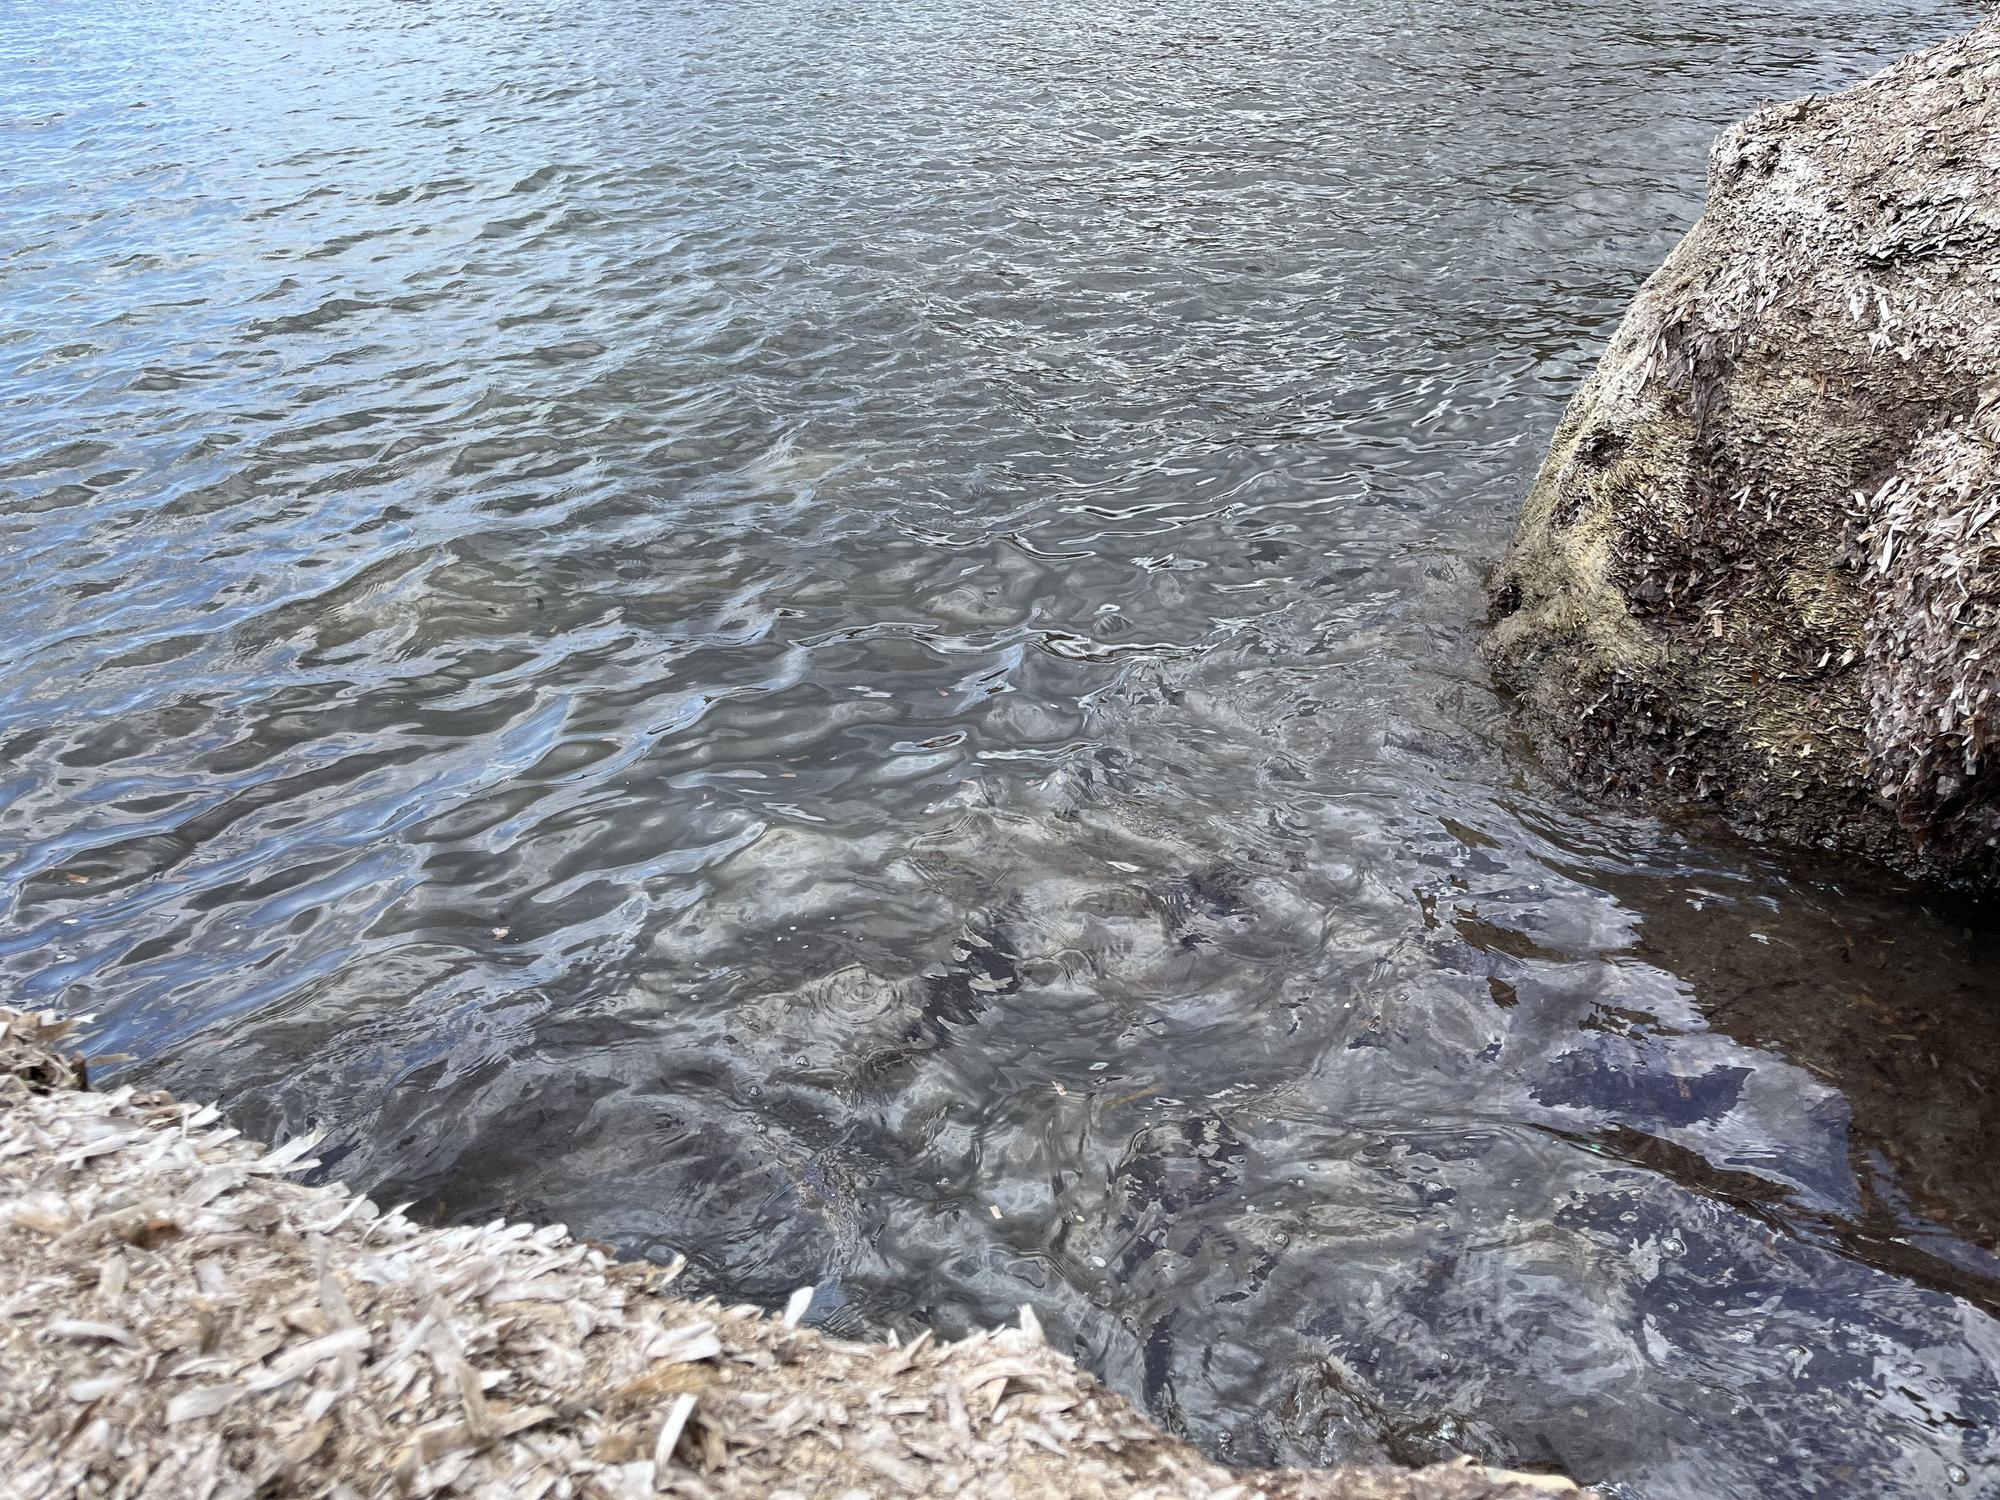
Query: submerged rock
x=1761 y=566
x=177 y=1318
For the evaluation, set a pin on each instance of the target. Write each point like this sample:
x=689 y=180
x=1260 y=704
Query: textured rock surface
x=1761 y=565
x=179 y=1320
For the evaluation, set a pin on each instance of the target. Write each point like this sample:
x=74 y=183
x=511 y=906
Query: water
x=843 y=639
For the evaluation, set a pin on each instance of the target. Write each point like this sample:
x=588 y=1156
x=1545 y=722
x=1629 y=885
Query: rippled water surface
x=843 y=638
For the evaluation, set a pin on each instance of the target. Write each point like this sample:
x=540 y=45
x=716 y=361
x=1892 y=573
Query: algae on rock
x=1760 y=567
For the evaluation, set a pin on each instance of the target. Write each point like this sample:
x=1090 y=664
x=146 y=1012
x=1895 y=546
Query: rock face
x=178 y=1319
x=1761 y=565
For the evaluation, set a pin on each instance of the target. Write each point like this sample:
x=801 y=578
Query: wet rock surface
x=1760 y=568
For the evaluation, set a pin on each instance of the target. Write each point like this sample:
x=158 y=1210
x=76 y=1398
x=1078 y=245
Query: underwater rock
x=1760 y=568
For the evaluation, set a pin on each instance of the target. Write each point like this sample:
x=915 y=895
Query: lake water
x=843 y=638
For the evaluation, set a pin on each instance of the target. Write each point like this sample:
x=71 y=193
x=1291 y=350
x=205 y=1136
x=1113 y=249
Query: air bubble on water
x=1956 y=1474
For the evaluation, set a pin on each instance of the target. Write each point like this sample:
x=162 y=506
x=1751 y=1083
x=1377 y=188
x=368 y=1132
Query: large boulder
x=1761 y=565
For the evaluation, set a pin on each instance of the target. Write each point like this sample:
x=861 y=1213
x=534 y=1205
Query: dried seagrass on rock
x=178 y=1320
x=1761 y=565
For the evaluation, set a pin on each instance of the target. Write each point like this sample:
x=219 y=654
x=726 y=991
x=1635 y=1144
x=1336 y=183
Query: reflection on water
x=844 y=640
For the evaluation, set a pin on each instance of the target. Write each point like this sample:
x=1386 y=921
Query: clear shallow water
x=843 y=640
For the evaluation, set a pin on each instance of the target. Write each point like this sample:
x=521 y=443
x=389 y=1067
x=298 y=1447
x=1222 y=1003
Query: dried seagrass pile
x=178 y=1319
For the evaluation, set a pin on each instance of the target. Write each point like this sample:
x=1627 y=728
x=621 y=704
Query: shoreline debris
x=179 y=1320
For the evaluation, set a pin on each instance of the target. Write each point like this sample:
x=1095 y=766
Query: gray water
x=843 y=639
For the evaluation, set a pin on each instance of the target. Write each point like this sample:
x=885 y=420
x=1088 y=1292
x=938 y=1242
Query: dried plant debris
x=1761 y=565
x=179 y=1319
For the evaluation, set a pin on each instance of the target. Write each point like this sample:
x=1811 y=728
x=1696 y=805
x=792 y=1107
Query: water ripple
x=842 y=640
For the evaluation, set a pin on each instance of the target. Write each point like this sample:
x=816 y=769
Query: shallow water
x=844 y=640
